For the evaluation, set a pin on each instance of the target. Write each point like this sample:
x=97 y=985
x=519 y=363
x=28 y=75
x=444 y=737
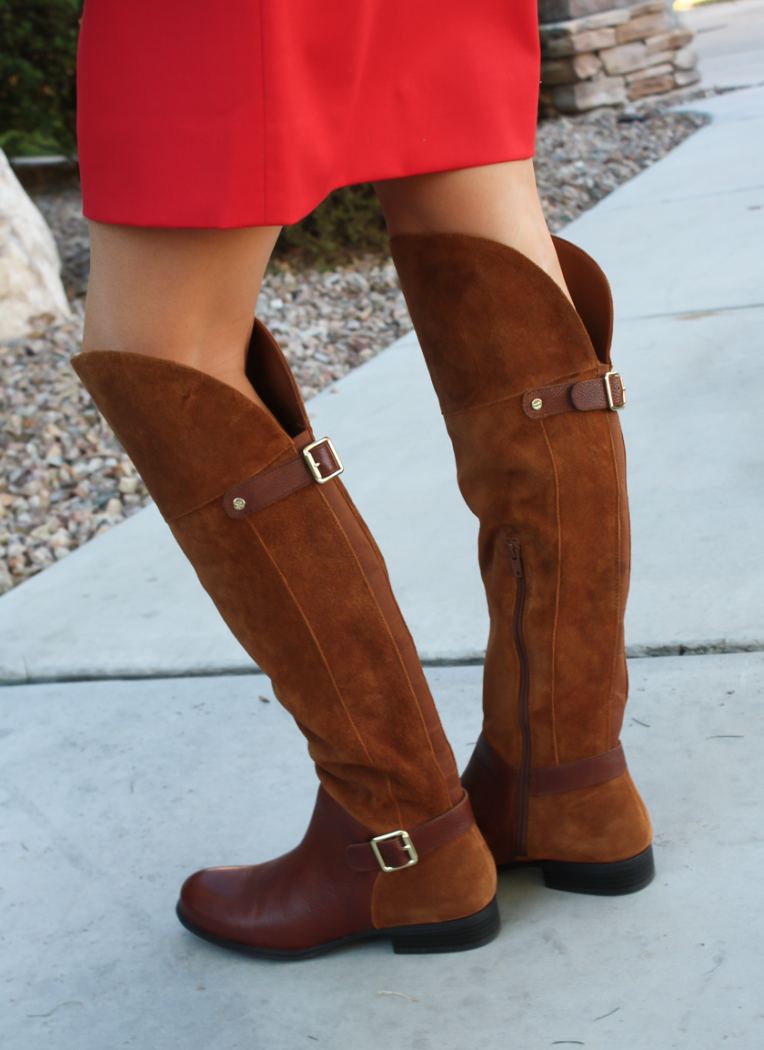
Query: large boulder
x=30 y=282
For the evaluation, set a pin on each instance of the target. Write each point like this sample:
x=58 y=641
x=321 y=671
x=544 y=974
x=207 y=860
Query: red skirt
x=248 y=112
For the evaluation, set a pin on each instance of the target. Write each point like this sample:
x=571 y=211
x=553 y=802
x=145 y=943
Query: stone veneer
x=611 y=52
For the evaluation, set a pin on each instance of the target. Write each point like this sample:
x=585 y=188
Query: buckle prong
x=609 y=392
x=406 y=843
x=315 y=468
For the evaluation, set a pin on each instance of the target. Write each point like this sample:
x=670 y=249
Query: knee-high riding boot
x=255 y=504
x=529 y=398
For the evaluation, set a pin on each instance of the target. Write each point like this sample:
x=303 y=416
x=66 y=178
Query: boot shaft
x=299 y=582
x=549 y=491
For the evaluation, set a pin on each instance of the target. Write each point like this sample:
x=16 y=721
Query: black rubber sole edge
x=458 y=935
x=603 y=880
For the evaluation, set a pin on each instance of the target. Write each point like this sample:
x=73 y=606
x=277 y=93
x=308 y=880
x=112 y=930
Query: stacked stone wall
x=611 y=52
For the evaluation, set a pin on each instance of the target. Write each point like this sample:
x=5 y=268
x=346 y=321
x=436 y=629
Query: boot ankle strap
x=585 y=772
x=588 y=395
x=402 y=849
x=317 y=462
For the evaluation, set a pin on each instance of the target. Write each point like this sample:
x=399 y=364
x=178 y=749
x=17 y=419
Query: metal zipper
x=520 y=846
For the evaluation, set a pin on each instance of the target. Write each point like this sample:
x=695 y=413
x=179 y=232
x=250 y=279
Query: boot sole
x=458 y=935
x=604 y=880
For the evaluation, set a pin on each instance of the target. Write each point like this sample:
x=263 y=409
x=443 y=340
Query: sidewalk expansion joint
x=633 y=652
x=691 y=315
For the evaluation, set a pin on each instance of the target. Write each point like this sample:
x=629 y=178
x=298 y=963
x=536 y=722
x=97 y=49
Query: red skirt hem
x=141 y=210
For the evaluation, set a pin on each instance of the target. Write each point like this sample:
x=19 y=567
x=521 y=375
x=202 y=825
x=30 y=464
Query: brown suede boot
x=529 y=398
x=392 y=849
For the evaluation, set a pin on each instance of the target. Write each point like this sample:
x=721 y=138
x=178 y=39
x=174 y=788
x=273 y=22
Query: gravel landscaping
x=63 y=476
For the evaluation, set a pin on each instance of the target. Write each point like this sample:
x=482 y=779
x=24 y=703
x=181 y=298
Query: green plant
x=347 y=224
x=37 y=76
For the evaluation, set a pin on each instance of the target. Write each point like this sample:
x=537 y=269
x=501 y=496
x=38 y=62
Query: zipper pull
x=515 y=557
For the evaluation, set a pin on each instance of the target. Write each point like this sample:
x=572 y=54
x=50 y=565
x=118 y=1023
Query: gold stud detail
x=536 y=404
x=239 y=503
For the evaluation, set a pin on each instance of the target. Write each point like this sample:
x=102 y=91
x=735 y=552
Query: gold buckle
x=314 y=468
x=609 y=392
x=407 y=844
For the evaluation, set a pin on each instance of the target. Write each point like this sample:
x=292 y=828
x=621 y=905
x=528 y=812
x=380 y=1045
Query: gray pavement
x=682 y=244
x=112 y=792
x=729 y=42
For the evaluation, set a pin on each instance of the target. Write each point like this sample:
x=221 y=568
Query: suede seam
x=557 y=591
x=617 y=574
x=399 y=658
x=395 y=646
x=323 y=657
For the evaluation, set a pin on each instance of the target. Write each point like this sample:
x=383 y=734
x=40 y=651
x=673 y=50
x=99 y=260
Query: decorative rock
x=31 y=293
x=669 y=41
x=591 y=40
x=649 y=8
x=128 y=486
x=686 y=77
x=651 y=86
x=624 y=59
x=686 y=59
x=641 y=28
x=666 y=69
x=607 y=18
x=565 y=70
x=589 y=94
x=562 y=30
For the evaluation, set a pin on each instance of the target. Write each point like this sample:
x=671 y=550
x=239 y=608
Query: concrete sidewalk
x=682 y=244
x=113 y=792
x=729 y=42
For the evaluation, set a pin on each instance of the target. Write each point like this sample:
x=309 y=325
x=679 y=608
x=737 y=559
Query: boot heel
x=458 y=935
x=605 y=880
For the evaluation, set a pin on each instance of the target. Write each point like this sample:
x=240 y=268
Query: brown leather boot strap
x=401 y=849
x=588 y=395
x=549 y=780
x=316 y=462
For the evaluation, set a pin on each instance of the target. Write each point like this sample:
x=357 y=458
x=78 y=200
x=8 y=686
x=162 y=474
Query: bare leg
x=183 y=295
x=497 y=201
